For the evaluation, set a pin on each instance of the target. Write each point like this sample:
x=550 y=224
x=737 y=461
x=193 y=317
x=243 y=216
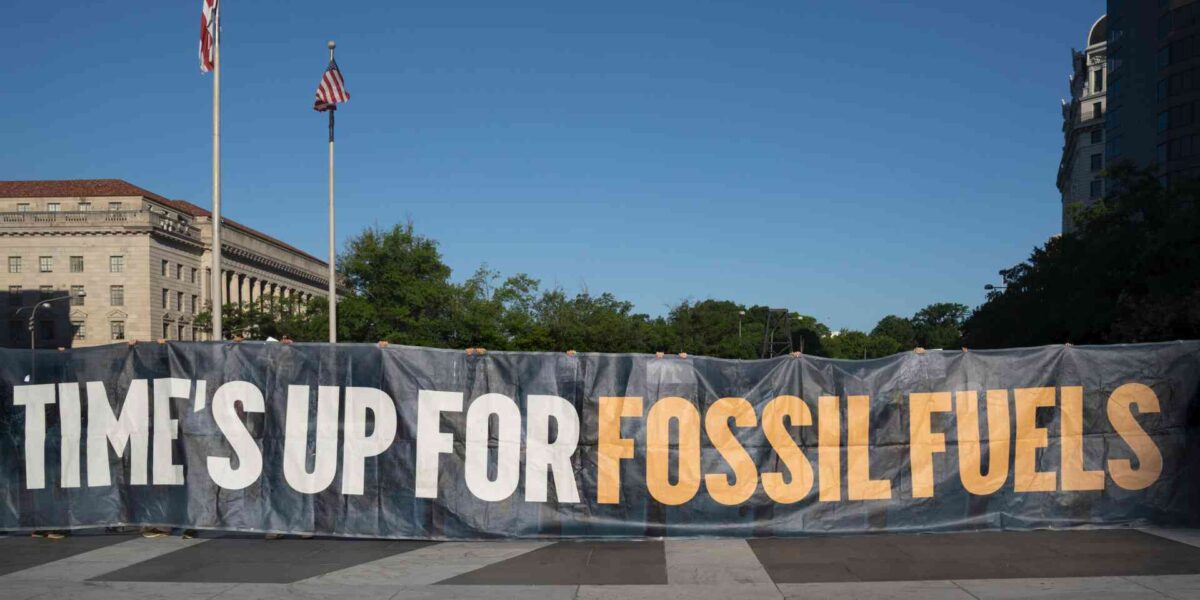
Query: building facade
x=1154 y=64
x=1080 y=180
x=133 y=265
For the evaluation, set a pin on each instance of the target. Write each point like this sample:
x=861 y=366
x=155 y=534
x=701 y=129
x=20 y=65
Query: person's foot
x=188 y=534
x=151 y=532
x=307 y=536
x=37 y=533
x=56 y=535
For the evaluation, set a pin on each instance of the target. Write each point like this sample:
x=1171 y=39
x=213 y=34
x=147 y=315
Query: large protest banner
x=402 y=442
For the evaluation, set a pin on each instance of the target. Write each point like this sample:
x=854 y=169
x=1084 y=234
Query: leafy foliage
x=400 y=290
x=1129 y=273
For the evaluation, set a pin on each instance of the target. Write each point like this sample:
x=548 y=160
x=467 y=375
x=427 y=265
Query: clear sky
x=844 y=159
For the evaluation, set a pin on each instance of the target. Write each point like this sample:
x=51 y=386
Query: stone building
x=1080 y=172
x=142 y=262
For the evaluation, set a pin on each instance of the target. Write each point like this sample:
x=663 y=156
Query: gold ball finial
x=332 y=44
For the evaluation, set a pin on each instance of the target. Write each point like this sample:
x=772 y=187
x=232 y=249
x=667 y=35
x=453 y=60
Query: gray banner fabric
x=1067 y=437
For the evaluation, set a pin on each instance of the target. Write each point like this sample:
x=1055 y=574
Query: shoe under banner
x=405 y=442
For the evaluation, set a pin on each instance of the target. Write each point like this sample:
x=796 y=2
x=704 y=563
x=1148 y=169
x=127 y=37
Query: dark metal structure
x=777 y=336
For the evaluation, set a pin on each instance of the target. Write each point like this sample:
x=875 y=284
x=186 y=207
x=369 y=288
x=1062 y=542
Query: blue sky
x=843 y=159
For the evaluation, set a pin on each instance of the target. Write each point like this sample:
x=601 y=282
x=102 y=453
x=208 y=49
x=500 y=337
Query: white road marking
x=87 y=565
x=713 y=562
x=428 y=565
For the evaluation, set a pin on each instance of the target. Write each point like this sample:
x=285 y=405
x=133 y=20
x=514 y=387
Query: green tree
x=399 y=289
x=899 y=329
x=711 y=328
x=940 y=325
x=272 y=318
x=858 y=345
x=589 y=323
x=1130 y=272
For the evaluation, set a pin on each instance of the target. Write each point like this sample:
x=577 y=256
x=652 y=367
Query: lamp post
x=741 y=313
x=33 y=329
x=991 y=288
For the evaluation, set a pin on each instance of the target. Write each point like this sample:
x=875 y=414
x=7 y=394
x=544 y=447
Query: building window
x=193 y=280
x=116 y=330
x=1097 y=136
x=45 y=264
x=165 y=293
x=179 y=272
x=116 y=264
x=1097 y=110
x=23 y=207
x=1097 y=188
x=180 y=333
x=1098 y=84
x=116 y=295
x=77 y=296
x=14 y=264
x=79 y=329
x=166 y=331
x=53 y=206
x=179 y=301
x=14 y=295
x=165 y=267
x=85 y=206
x=45 y=291
x=1097 y=162
x=195 y=300
x=76 y=264
x=115 y=206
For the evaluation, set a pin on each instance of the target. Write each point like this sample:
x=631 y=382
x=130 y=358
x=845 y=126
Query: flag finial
x=332 y=44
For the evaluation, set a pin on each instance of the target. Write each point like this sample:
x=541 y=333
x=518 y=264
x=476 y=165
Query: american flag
x=209 y=34
x=332 y=89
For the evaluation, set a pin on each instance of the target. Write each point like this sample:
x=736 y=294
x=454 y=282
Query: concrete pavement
x=1114 y=563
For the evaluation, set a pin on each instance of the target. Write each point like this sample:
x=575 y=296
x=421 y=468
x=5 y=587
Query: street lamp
x=989 y=287
x=33 y=329
x=741 y=313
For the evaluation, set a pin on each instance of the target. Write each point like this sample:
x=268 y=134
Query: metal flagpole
x=332 y=256
x=215 y=284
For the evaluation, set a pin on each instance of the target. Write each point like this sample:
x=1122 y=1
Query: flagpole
x=332 y=256
x=215 y=283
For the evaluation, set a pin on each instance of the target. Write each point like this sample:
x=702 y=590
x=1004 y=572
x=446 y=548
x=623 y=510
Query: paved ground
x=1118 y=563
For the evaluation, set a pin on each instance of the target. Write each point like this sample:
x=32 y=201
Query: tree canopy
x=1130 y=272
x=399 y=289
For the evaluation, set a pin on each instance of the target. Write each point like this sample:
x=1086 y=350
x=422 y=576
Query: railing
x=98 y=218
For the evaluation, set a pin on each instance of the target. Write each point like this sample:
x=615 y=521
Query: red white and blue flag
x=332 y=89
x=210 y=33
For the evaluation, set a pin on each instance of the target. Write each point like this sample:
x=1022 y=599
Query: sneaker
x=188 y=534
x=151 y=532
x=55 y=535
x=38 y=533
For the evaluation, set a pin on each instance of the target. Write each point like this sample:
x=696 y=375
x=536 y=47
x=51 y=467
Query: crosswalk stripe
x=428 y=565
x=718 y=562
x=87 y=565
x=1190 y=537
